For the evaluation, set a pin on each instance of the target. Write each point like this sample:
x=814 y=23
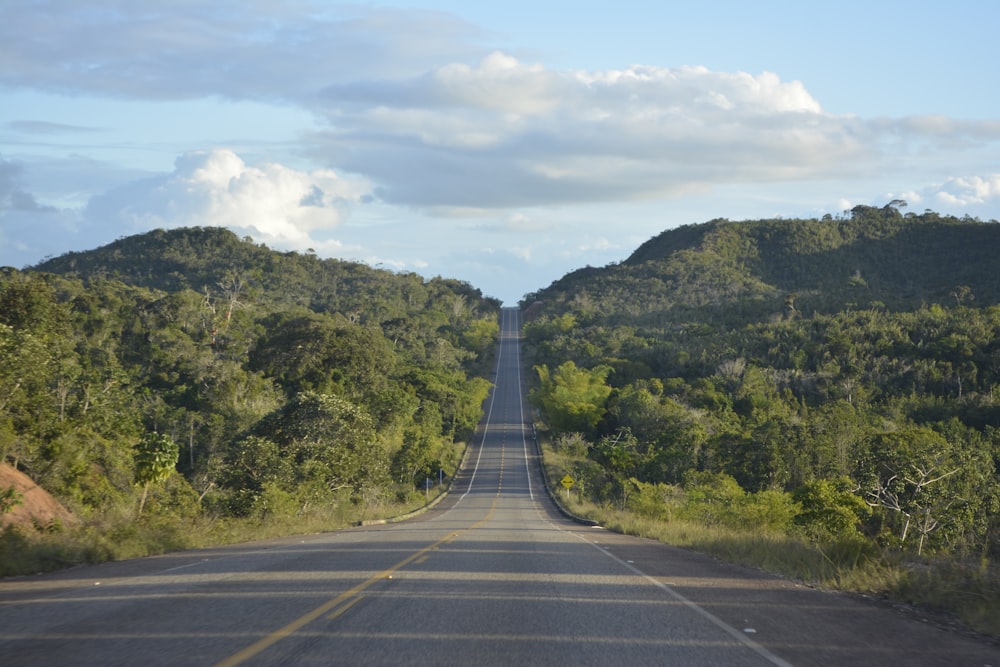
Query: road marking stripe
x=273 y=638
x=715 y=620
x=337 y=613
x=328 y=607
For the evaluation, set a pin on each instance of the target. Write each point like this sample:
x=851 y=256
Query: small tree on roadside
x=830 y=508
x=155 y=459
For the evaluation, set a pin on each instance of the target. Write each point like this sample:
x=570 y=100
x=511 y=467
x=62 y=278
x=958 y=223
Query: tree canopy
x=850 y=364
x=245 y=375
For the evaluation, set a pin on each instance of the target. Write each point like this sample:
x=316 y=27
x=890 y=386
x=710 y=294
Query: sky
x=500 y=143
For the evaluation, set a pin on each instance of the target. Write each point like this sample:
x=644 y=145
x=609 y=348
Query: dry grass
x=29 y=551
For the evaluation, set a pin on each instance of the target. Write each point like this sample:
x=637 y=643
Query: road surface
x=491 y=576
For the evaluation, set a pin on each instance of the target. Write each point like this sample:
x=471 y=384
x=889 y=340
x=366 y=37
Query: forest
x=832 y=381
x=190 y=377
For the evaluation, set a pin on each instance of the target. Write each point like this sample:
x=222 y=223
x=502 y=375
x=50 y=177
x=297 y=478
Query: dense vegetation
x=828 y=380
x=190 y=376
x=828 y=385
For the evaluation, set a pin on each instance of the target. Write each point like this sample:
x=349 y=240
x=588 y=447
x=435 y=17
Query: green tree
x=571 y=398
x=830 y=508
x=481 y=335
x=316 y=440
x=155 y=460
x=912 y=477
x=713 y=498
x=417 y=459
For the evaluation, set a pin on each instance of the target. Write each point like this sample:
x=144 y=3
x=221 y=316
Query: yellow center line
x=328 y=607
x=337 y=613
x=331 y=607
x=279 y=634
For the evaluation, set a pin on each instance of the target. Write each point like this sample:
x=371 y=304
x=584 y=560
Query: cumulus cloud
x=969 y=191
x=272 y=202
x=957 y=195
x=507 y=134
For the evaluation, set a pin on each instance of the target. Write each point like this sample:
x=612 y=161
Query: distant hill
x=200 y=258
x=724 y=269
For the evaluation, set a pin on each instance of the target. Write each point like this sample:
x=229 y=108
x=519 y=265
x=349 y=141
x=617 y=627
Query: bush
x=274 y=503
x=829 y=509
x=654 y=500
x=712 y=498
x=768 y=510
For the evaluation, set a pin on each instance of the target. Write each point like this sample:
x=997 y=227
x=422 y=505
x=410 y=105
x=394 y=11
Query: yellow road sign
x=567 y=481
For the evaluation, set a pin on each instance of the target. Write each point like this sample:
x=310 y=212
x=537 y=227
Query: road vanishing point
x=492 y=575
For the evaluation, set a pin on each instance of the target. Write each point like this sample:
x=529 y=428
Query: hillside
x=726 y=271
x=833 y=378
x=189 y=375
x=33 y=505
x=205 y=258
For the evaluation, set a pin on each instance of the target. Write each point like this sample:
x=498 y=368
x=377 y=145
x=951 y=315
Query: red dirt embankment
x=37 y=507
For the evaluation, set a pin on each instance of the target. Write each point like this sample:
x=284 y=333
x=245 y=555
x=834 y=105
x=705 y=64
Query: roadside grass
x=962 y=590
x=120 y=535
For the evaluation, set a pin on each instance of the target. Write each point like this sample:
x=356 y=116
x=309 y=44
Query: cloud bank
x=413 y=105
x=968 y=193
x=245 y=49
x=505 y=134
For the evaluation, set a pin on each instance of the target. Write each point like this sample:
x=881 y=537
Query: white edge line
x=520 y=402
x=715 y=620
x=489 y=416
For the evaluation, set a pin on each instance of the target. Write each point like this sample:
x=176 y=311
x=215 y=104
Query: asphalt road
x=491 y=576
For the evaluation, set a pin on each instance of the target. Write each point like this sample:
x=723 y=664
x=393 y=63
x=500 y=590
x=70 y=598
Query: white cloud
x=273 y=203
x=508 y=134
x=523 y=223
x=973 y=190
x=415 y=106
x=522 y=252
x=957 y=195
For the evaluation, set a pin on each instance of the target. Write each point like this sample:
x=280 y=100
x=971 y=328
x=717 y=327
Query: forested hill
x=205 y=258
x=846 y=365
x=731 y=271
x=189 y=374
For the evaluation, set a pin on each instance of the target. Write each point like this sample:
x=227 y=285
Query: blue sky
x=505 y=144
